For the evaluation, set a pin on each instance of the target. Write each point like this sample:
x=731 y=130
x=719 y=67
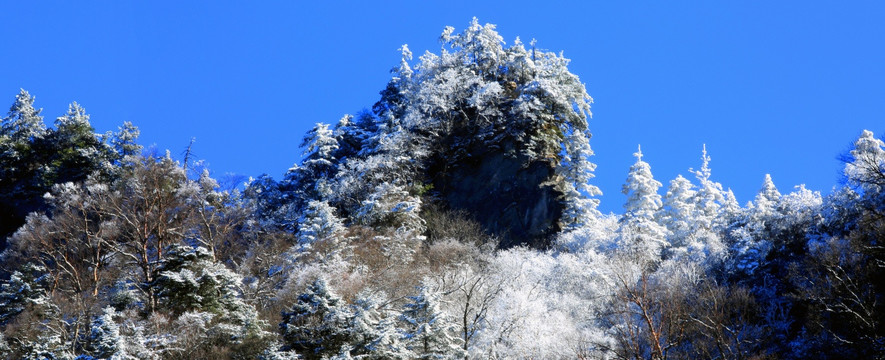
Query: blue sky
x=770 y=87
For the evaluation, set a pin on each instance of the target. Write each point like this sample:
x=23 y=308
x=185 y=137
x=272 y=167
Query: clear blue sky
x=770 y=86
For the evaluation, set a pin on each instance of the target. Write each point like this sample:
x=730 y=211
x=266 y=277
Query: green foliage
x=25 y=290
x=34 y=158
x=316 y=326
x=188 y=280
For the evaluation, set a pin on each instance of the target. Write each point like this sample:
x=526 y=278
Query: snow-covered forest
x=454 y=219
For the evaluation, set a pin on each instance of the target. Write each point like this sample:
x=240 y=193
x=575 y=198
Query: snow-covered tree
x=26 y=289
x=124 y=139
x=105 y=339
x=75 y=251
x=205 y=298
x=36 y=325
x=391 y=206
x=428 y=332
x=598 y=236
x=707 y=221
x=730 y=208
x=709 y=196
x=317 y=324
x=751 y=236
x=678 y=210
x=767 y=199
x=311 y=180
x=373 y=332
x=190 y=280
x=639 y=233
x=351 y=134
x=580 y=208
x=74 y=150
x=34 y=158
x=49 y=347
x=319 y=223
x=866 y=170
x=319 y=147
x=23 y=122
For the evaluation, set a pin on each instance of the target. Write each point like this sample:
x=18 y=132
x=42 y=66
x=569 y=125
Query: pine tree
x=708 y=204
x=33 y=158
x=26 y=289
x=391 y=206
x=677 y=213
x=190 y=283
x=579 y=208
x=730 y=207
x=21 y=187
x=73 y=151
x=317 y=324
x=394 y=97
x=767 y=199
x=866 y=170
x=39 y=330
x=23 y=123
x=105 y=339
x=319 y=163
x=639 y=233
x=709 y=195
x=123 y=142
x=427 y=331
x=372 y=332
x=45 y=347
x=351 y=135
x=319 y=224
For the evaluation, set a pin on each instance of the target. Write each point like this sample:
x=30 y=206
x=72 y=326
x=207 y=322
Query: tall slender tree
x=639 y=233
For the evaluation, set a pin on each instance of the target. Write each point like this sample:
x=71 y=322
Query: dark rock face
x=505 y=194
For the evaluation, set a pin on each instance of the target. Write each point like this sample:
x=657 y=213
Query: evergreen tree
x=105 y=338
x=639 y=233
x=190 y=284
x=866 y=170
x=427 y=330
x=20 y=183
x=709 y=196
x=26 y=289
x=707 y=221
x=767 y=199
x=33 y=158
x=317 y=324
x=730 y=208
x=30 y=318
x=319 y=165
x=77 y=150
x=123 y=142
x=319 y=223
x=351 y=135
x=391 y=206
x=23 y=124
x=677 y=213
x=45 y=347
x=373 y=334
x=753 y=235
x=579 y=207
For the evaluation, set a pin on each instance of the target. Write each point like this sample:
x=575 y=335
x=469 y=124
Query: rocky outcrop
x=506 y=193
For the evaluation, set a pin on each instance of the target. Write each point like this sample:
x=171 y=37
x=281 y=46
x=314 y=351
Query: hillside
x=457 y=218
